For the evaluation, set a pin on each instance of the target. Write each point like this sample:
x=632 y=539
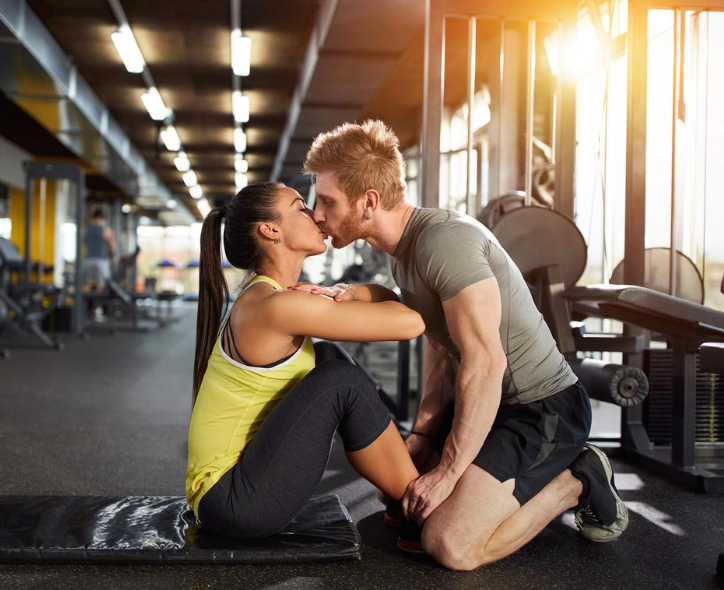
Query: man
x=515 y=423
x=96 y=268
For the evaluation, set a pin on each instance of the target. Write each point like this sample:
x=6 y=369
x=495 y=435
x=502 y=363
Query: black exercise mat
x=160 y=529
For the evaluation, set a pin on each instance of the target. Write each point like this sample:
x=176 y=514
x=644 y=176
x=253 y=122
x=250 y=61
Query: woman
x=264 y=415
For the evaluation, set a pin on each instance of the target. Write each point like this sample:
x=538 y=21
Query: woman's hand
x=338 y=292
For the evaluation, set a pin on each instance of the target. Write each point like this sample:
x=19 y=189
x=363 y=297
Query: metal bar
x=683 y=442
x=28 y=226
x=79 y=311
x=496 y=190
x=471 y=205
x=432 y=102
x=566 y=124
x=633 y=434
x=529 y=113
x=676 y=169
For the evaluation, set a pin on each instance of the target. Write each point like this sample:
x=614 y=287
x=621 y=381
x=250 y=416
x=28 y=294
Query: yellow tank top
x=233 y=401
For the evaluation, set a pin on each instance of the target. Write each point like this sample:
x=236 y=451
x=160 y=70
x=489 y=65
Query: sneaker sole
x=604 y=535
x=409 y=546
x=391 y=521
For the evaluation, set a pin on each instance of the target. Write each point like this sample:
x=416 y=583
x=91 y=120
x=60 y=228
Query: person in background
x=100 y=246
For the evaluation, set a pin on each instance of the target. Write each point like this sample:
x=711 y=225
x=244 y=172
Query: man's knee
x=448 y=548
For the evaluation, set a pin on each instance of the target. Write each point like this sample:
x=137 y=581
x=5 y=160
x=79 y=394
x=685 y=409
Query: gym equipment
x=123 y=306
x=61 y=171
x=657 y=270
x=24 y=303
x=607 y=382
x=550 y=251
x=499 y=207
x=686 y=326
x=711 y=360
x=161 y=530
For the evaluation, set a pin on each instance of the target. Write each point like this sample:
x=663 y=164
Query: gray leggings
x=282 y=465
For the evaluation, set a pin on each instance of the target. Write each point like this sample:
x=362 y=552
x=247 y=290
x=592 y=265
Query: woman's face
x=298 y=231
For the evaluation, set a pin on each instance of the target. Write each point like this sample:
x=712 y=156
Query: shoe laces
x=588 y=515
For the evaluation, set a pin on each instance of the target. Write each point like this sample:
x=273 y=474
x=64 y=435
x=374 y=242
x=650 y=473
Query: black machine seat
x=651 y=310
x=711 y=357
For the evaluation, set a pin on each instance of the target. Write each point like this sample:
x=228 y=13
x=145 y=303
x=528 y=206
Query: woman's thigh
x=283 y=464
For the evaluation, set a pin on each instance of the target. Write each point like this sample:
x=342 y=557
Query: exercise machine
x=550 y=252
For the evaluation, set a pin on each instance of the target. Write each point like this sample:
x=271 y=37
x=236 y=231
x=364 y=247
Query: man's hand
x=338 y=292
x=426 y=493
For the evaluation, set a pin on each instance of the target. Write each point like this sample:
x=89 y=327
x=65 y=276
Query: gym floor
x=109 y=416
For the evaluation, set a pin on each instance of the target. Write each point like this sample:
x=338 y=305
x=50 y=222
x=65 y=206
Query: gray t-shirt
x=440 y=253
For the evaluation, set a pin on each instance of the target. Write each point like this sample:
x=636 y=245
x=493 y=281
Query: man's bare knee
x=448 y=549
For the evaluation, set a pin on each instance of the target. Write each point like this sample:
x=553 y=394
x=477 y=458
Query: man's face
x=334 y=214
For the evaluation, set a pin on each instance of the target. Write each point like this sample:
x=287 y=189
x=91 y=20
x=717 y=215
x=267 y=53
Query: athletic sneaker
x=393 y=513
x=602 y=515
x=410 y=537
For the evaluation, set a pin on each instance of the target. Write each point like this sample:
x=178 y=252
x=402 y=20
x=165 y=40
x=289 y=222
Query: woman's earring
x=368 y=216
x=277 y=240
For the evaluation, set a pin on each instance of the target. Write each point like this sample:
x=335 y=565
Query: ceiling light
x=126 y=208
x=190 y=178
x=182 y=162
x=203 y=207
x=128 y=49
x=240 y=104
x=241 y=180
x=170 y=138
x=240 y=53
x=171 y=203
x=196 y=191
x=239 y=140
x=240 y=164
x=154 y=104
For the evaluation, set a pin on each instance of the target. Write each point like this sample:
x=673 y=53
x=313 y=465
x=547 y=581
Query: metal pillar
x=74 y=173
x=565 y=154
x=677 y=172
x=529 y=111
x=471 y=202
x=432 y=101
x=633 y=433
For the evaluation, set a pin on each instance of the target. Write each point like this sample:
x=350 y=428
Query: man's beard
x=349 y=230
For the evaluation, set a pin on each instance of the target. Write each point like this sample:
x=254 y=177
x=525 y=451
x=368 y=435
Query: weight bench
x=711 y=360
x=161 y=530
x=686 y=326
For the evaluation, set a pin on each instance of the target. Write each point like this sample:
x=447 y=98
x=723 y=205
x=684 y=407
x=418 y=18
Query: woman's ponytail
x=213 y=294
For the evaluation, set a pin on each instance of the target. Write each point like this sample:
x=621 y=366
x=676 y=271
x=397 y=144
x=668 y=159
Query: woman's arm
x=296 y=313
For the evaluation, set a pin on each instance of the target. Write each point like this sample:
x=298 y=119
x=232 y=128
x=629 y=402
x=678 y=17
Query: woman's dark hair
x=254 y=204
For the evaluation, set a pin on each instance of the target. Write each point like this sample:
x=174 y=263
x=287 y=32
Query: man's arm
x=473 y=319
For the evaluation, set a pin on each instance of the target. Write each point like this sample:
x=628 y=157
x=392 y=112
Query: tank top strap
x=263 y=279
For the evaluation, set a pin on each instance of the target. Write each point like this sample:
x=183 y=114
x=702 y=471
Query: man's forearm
x=477 y=399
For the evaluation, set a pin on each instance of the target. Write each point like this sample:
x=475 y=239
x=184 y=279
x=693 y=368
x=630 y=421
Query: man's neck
x=389 y=228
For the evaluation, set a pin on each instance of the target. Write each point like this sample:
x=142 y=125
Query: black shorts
x=532 y=443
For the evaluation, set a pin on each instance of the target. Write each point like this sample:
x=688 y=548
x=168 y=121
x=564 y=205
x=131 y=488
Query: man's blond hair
x=362 y=157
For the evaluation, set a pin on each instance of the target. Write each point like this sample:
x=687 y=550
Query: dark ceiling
x=186 y=46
